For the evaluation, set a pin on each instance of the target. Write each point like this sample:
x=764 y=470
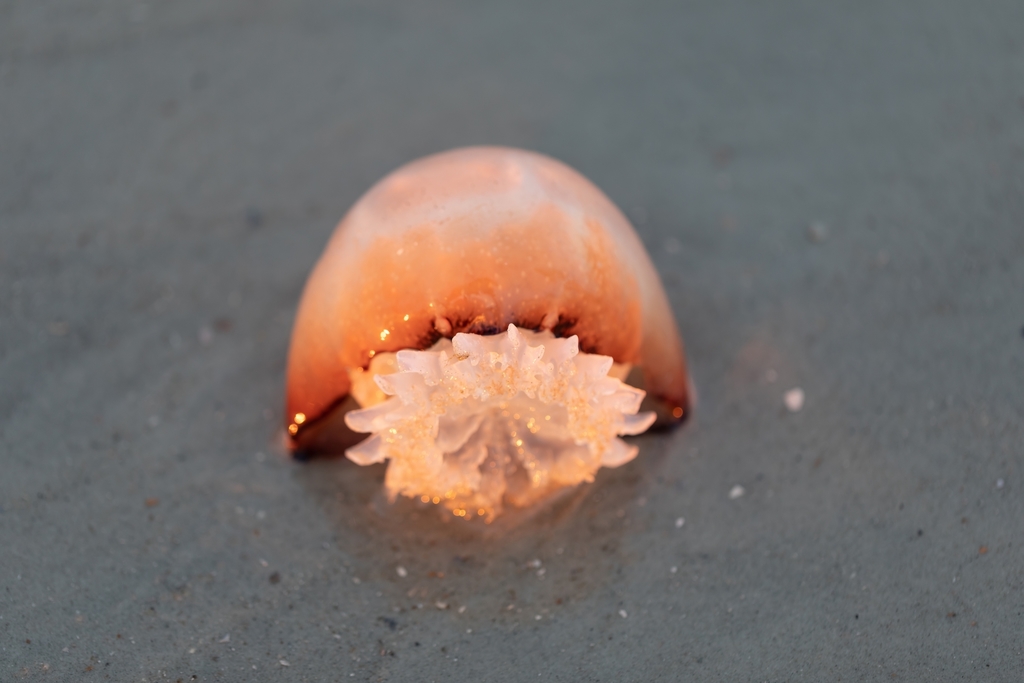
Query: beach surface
x=833 y=194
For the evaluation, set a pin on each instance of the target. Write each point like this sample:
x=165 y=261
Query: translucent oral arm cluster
x=481 y=421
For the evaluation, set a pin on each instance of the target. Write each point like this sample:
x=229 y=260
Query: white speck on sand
x=401 y=571
x=673 y=570
x=680 y=522
x=622 y=613
x=534 y=563
x=283 y=662
x=794 y=400
x=736 y=492
x=999 y=483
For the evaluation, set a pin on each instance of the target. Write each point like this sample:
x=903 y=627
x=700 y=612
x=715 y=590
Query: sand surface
x=834 y=197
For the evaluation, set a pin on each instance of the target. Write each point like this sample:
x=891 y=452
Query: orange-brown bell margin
x=472 y=240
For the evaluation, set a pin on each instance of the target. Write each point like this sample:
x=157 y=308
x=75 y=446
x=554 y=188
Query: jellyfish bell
x=475 y=313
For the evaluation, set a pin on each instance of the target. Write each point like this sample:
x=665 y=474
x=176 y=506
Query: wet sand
x=833 y=198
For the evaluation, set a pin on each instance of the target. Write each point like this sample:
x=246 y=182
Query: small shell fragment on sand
x=736 y=492
x=794 y=399
x=680 y=522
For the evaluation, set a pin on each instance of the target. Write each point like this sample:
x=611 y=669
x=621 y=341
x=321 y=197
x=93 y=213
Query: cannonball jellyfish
x=487 y=322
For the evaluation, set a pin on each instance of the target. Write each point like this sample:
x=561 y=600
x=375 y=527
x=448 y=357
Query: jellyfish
x=487 y=322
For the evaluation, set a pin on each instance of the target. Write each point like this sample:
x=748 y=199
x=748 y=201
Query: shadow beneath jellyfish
x=553 y=554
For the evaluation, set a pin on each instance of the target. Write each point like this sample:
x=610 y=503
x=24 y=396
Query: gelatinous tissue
x=477 y=313
x=476 y=420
